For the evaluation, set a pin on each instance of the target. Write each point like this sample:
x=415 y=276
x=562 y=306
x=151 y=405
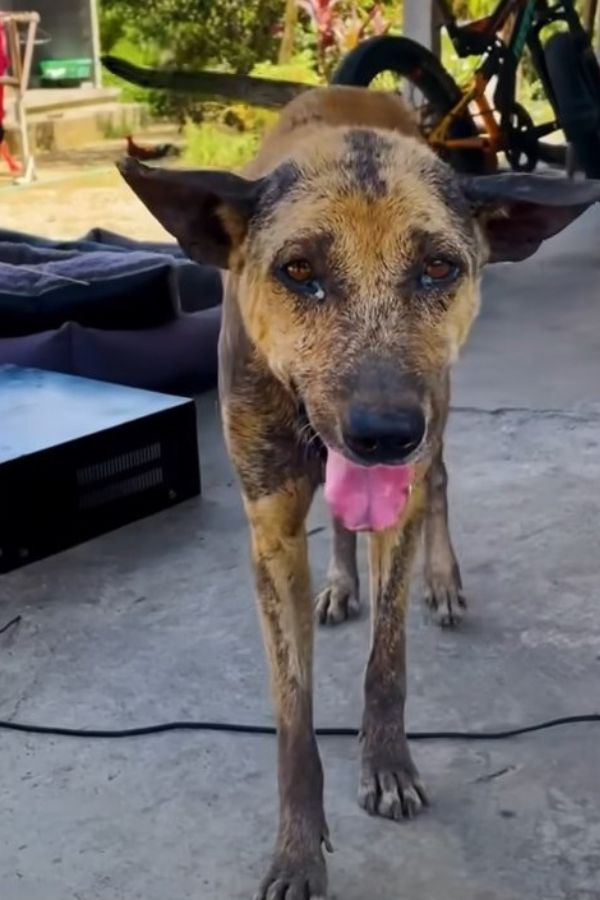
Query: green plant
x=115 y=130
x=211 y=145
x=112 y=26
x=339 y=25
x=473 y=9
x=190 y=35
x=229 y=135
x=300 y=68
x=196 y=34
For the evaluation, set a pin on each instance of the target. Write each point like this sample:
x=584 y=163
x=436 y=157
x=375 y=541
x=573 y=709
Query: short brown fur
x=345 y=182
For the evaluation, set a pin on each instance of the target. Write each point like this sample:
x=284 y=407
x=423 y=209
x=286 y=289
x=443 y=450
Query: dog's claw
x=300 y=881
x=337 y=602
x=445 y=602
x=397 y=794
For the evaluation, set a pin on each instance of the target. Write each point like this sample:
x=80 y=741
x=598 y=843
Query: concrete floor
x=157 y=622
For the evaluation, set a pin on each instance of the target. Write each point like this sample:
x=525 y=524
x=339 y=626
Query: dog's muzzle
x=376 y=438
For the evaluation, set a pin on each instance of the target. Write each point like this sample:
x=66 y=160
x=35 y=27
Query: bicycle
x=461 y=123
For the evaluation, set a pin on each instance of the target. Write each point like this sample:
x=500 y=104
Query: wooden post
x=95 y=33
x=20 y=30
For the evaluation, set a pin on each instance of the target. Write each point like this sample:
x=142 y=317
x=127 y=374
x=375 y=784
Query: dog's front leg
x=279 y=551
x=390 y=784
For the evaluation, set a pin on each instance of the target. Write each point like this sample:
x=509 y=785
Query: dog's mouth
x=366 y=498
x=362 y=497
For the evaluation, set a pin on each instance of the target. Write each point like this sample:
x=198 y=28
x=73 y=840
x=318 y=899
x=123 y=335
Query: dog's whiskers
x=308 y=438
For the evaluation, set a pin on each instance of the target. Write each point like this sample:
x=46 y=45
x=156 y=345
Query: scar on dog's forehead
x=367 y=154
x=370 y=163
x=361 y=161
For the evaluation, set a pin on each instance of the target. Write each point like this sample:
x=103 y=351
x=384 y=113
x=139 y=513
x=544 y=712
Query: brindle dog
x=354 y=257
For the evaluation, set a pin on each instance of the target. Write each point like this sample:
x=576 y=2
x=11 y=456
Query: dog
x=353 y=257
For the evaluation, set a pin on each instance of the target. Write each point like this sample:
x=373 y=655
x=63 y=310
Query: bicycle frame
x=523 y=20
x=467 y=39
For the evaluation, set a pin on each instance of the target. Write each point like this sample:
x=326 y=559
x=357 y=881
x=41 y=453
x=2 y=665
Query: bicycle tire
x=576 y=87
x=412 y=61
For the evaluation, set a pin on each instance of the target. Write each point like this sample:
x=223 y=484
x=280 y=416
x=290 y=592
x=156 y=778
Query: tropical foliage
x=256 y=36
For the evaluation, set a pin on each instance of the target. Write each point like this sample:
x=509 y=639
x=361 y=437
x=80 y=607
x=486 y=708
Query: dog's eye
x=299 y=270
x=299 y=275
x=438 y=271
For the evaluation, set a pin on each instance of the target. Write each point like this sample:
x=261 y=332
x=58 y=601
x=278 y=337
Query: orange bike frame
x=491 y=139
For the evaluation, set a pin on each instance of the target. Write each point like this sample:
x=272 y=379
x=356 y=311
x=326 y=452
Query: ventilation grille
x=117 y=490
x=118 y=464
x=120 y=476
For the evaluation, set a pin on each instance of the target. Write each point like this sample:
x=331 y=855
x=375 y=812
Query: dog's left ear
x=207 y=211
x=518 y=212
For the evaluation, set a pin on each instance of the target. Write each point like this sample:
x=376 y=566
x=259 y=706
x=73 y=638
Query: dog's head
x=357 y=264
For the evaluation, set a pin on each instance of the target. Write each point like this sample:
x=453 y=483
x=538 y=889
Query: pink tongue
x=366 y=498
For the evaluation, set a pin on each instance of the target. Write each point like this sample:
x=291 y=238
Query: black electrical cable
x=233 y=728
x=12 y=622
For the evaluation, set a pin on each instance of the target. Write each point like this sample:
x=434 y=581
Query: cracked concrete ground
x=157 y=622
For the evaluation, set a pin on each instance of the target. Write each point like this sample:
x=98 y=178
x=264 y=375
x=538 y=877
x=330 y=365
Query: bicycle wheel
x=385 y=61
x=575 y=80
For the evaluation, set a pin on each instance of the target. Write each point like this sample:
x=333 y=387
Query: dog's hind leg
x=390 y=784
x=444 y=599
x=340 y=600
x=279 y=551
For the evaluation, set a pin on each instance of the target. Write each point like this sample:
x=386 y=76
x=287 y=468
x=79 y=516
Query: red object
x=322 y=13
x=4 y=61
x=159 y=151
x=12 y=164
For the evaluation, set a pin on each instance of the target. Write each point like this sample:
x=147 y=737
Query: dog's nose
x=384 y=438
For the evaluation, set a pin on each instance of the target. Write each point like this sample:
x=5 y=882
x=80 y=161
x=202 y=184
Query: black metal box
x=81 y=457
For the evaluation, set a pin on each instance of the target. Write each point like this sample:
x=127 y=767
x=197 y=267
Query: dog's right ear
x=519 y=211
x=207 y=211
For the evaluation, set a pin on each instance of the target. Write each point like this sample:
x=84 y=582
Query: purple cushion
x=47 y=350
x=179 y=356
x=41 y=288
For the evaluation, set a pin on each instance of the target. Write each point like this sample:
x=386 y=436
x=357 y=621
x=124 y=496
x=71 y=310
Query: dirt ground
x=74 y=192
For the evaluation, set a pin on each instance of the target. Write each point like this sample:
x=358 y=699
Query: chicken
x=144 y=154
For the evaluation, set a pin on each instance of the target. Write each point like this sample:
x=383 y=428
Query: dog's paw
x=338 y=601
x=394 y=792
x=444 y=600
x=297 y=879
